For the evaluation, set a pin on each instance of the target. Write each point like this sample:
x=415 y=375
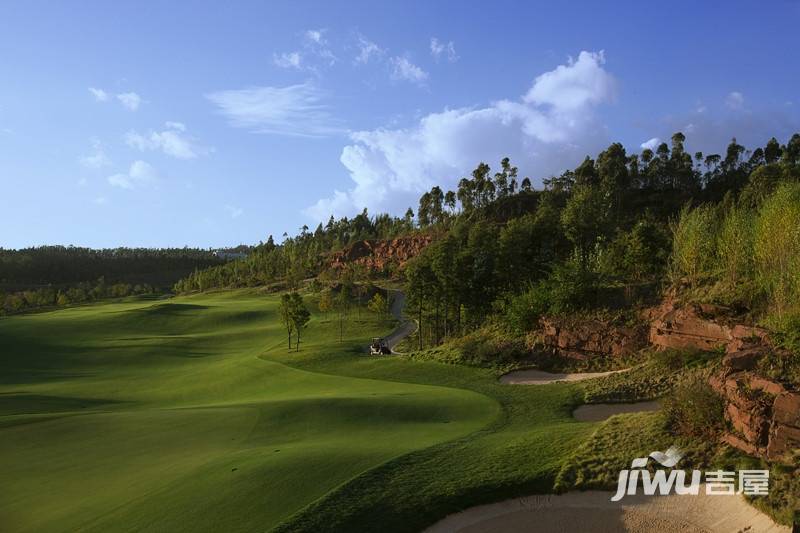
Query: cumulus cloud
x=98 y=157
x=99 y=94
x=651 y=144
x=403 y=69
x=172 y=141
x=140 y=174
x=130 y=100
x=735 y=100
x=294 y=110
x=440 y=49
x=552 y=127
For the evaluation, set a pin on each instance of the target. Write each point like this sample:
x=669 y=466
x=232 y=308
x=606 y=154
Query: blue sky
x=213 y=124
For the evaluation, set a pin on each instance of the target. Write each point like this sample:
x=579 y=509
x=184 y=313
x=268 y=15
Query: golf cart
x=379 y=347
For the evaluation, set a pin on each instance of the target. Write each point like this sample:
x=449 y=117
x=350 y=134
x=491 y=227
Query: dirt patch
x=538 y=377
x=593 y=512
x=597 y=412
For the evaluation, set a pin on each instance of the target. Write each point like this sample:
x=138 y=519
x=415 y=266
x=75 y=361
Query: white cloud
x=99 y=94
x=315 y=36
x=651 y=144
x=294 y=110
x=172 y=141
x=288 y=60
x=368 y=50
x=403 y=69
x=439 y=49
x=233 y=211
x=130 y=100
x=140 y=174
x=574 y=85
x=180 y=126
x=735 y=100
x=315 y=49
x=98 y=158
x=100 y=200
x=548 y=130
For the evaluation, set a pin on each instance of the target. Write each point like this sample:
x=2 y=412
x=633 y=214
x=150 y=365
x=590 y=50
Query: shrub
x=522 y=311
x=693 y=243
x=735 y=246
x=777 y=248
x=694 y=409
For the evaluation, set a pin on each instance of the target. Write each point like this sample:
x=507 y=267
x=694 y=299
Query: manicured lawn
x=160 y=414
x=191 y=414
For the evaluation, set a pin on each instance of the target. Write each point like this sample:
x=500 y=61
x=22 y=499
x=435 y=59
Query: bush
x=694 y=409
x=693 y=244
x=522 y=311
x=777 y=248
x=735 y=246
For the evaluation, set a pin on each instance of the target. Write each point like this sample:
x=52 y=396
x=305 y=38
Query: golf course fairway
x=160 y=414
x=191 y=414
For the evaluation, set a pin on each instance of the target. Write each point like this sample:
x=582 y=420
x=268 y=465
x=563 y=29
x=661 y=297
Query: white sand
x=597 y=412
x=538 y=377
x=593 y=512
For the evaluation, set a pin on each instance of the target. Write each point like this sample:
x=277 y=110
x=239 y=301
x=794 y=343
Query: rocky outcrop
x=764 y=416
x=590 y=338
x=377 y=255
x=701 y=327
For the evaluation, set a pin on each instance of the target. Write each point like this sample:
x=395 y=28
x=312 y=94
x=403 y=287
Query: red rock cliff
x=378 y=254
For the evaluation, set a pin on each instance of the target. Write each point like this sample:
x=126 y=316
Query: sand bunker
x=537 y=377
x=597 y=412
x=593 y=512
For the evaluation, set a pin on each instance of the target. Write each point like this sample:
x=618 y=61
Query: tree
x=584 y=220
x=300 y=315
x=378 y=304
x=326 y=302
x=285 y=312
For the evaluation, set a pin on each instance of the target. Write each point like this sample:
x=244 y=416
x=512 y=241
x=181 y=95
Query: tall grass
x=694 y=240
x=751 y=255
x=734 y=251
x=777 y=249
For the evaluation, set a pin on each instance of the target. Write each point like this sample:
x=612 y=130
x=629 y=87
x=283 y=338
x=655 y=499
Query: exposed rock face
x=700 y=326
x=377 y=255
x=590 y=338
x=764 y=416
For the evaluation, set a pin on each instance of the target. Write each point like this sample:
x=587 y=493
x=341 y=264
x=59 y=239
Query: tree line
x=590 y=232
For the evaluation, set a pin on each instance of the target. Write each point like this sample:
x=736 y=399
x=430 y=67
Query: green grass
x=160 y=414
x=190 y=414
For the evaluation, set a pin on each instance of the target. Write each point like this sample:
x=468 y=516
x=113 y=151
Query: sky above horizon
x=212 y=124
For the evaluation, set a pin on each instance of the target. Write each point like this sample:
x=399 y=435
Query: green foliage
x=777 y=248
x=693 y=244
x=294 y=315
x=694 y=409
x=735 y=250
x=378 y=304
x=637 y=255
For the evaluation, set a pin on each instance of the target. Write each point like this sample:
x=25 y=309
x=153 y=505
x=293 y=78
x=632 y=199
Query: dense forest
x=599 y=236
x=59 y=275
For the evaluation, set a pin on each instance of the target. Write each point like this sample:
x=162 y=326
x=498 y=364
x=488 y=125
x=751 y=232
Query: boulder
x=582 y=339
x=786 y=409
x=744 y=359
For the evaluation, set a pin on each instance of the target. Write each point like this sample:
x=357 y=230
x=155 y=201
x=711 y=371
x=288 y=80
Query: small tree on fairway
x=300 y=315
x=285 y=311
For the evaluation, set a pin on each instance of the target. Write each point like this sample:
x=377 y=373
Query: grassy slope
x=160 y=414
